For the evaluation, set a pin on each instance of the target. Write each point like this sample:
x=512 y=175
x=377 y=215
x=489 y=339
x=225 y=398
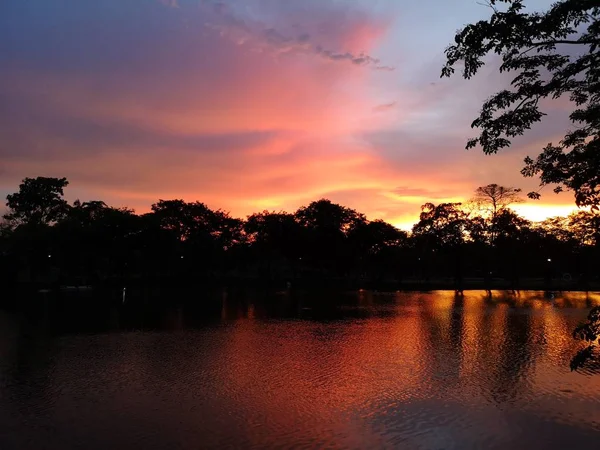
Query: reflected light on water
x=400 y=370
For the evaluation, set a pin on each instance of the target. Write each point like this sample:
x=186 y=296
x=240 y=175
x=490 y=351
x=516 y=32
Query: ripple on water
x=420 y=371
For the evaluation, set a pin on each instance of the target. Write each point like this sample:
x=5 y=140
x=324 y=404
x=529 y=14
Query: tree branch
x=565 y=41
x=489 y=5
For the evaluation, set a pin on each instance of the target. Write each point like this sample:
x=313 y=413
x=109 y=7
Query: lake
x=399 y=370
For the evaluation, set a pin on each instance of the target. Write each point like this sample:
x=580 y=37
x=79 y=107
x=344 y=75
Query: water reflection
x=257 y=370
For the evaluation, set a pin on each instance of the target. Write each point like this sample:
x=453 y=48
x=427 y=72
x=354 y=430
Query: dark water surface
x=405 y=370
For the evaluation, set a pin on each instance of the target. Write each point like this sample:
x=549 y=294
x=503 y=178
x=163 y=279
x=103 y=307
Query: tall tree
x=376 y=245
x=553 y=54
x=441 y=226
x=494 y=198
x=39 y=201
x=326 y=216
x=327 y=225
x=275 y=238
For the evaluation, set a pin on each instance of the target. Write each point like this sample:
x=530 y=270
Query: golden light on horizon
x=530 y=211
x=541 y=212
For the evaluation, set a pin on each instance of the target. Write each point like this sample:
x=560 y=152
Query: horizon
x=518 y=207
x=261 y=106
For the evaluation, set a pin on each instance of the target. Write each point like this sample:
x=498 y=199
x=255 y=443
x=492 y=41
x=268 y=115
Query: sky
x=254 y=105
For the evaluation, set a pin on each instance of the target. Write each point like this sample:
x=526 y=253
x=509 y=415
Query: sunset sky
x=250 y=105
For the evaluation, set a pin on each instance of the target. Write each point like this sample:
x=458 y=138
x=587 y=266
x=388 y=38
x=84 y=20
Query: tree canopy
x=552 y=54
x=494 y=197
x=39 y=201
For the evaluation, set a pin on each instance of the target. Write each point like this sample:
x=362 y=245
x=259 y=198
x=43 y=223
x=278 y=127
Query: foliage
x=39 y=201
x=271 y=233
x=588 y=332
x=324 y=237
x=329 y=217
x=553 y=54
x=494 y=198
x=585 y=227
x=441 y=226
x=508 y=225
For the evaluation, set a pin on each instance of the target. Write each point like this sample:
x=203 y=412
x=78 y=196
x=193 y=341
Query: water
x=415 y=371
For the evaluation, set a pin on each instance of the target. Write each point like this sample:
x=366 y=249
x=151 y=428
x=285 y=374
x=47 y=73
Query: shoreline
x=306 y=284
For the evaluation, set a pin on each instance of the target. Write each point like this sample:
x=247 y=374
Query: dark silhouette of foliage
x=38 y=202
x=553 y=54
x=494 y=198
x=585 y=228
x=588 y=332
x=441 y=226
x=327 y=227
x=328 y=217
x=507 y=225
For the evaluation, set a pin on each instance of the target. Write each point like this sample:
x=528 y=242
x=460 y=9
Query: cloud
x=405 y=191
x=359 y=60
x=261 y=37
x=170 y=3
x=385 y=107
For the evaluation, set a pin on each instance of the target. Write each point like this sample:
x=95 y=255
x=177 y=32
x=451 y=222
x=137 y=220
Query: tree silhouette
x=442 y=226
x=554 y=54
x=327 y=226
x=184 y=243
x=588 y=332
x=441 y=229
x=494 y=198
x=585 y=227
x=39 y=201
x=375 y=247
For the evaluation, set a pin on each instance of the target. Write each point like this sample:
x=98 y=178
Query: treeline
x=45 y=240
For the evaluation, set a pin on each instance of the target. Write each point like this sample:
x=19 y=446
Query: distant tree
x=274 y=232
x=229 y=230
x=554 y=54
x=95 y=238
x=558 y=228
x=377 y=235
x=87 y=212
x=509 y=225
x=477 y=229
x=39 y=201
x=493 y=198
x=585 y=227
x=441 y=226
x=274 y=237
x=376 y=246
x=197 y=232
x=196 y=222
x=174 y=216
x=442 y=229
x=327 y=225
x=324 y=215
